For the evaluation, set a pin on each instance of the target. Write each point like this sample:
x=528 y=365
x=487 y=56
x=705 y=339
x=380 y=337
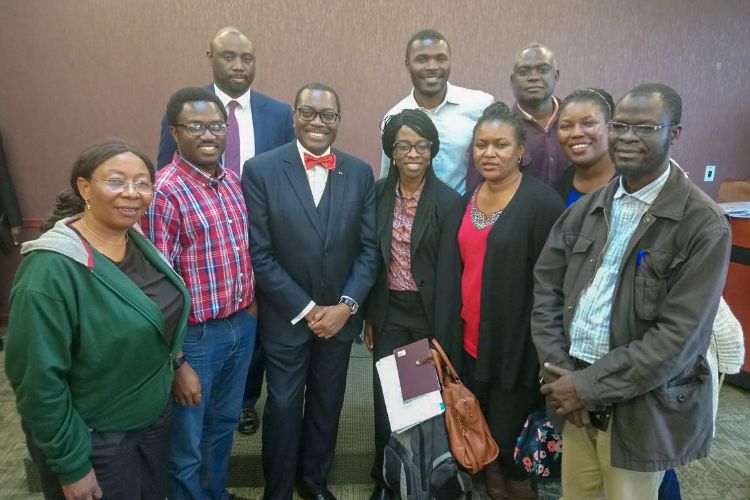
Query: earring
x=88 y=205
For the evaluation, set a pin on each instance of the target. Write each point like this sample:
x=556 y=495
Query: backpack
x=418 y=464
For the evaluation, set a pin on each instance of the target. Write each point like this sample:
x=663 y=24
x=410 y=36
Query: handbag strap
x=441 y=359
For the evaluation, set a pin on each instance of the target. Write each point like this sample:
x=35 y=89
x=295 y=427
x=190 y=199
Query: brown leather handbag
x=471 y=443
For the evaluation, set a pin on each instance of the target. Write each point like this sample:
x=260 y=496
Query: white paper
x=404 y=415
x=740 y=209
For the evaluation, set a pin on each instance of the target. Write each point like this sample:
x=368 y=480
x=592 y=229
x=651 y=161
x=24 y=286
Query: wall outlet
x=710 y=172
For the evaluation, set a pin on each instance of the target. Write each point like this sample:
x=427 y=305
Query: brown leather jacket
x=655 y=375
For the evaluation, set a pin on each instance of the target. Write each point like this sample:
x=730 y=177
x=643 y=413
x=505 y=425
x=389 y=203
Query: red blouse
x=473 y=245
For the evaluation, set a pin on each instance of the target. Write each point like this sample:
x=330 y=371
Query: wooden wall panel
x=76 y=71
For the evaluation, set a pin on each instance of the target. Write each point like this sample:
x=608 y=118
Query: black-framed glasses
x=197 y=129
x=640 y=130
x=308 y=114
x=117 y=186
x=404 y=148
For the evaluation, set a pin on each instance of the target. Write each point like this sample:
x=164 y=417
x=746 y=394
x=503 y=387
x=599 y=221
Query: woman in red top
x=416 y=286
x=505 y=224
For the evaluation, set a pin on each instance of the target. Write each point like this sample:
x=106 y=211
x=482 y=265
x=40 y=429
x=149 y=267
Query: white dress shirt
x=244 y=115
x=454 y=119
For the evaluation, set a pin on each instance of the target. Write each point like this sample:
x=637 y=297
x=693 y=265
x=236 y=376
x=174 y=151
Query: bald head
x=545 y=52
x=232 y=58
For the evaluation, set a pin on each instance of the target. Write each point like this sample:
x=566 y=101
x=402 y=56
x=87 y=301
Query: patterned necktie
x=232 y=151
x=328 y=161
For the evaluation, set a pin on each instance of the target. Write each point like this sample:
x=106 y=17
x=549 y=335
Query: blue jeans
x=219 y=351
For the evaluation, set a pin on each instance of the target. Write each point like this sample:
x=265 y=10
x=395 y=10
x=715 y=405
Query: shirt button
x=681 y=398
x=229 y=221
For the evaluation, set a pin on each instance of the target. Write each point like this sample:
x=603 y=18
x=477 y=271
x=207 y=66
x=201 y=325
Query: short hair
x=535 y=46
x=427 y=34
x=669 y=97
x=499 y=111
x=600 y=97
x=191 y=94
x=71 y=202
x=317 y=86
x=416 y=120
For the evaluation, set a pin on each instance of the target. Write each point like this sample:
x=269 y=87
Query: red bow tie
x=328 y=161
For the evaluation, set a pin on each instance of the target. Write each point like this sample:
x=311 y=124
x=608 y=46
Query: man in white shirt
x=454 y=110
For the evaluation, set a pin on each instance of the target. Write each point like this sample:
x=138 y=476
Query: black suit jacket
x=293 y=259
x=273 y=126
x=435 y=263
x=10 y=213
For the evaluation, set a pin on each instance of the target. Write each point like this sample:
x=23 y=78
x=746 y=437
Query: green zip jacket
x=85 y=349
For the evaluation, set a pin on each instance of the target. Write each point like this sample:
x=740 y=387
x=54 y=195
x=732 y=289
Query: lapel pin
x=339 y=172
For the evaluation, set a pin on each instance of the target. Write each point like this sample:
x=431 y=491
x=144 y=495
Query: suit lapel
x=338 y=184
x=295 y=172
x=259 y=122
x=417 y=229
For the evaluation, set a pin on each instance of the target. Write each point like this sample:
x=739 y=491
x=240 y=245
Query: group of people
x=144 y=319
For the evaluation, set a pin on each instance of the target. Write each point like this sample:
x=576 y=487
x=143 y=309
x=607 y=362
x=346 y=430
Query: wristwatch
x=178 y=362
x=351 y=303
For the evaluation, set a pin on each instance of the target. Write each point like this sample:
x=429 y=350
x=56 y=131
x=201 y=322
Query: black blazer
x=10 y=213
x=506 y=351
x=293 y=260
x=434 y=260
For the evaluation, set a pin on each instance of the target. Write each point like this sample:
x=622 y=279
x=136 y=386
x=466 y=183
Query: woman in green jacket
x=97 y=318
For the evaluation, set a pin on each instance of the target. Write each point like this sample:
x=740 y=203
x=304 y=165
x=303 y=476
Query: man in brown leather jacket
x=626 y=292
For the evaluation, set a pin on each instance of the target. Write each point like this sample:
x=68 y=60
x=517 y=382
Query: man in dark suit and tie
x=313 y=248
x=257 y=123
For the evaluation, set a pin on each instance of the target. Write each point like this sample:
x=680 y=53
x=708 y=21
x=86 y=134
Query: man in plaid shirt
x=198 y=220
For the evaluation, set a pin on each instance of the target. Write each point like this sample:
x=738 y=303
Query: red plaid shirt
x=200 y=224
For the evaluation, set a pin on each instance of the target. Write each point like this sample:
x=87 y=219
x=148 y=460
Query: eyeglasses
x=117 y=186
x=404 y=148
x=197 y=129
x=309 y=114
x=618 y=128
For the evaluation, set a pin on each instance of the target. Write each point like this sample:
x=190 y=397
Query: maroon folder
x=416 y=380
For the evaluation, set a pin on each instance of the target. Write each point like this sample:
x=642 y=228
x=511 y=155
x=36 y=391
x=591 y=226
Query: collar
x=302 y=150
x=414 y=196
x=243 y=100
x=552 y=119
x=670 y=202
x=648 y=193
x=196 y=173
x=452 y=96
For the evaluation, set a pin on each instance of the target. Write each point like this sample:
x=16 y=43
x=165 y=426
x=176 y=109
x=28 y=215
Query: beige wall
x=76 y=71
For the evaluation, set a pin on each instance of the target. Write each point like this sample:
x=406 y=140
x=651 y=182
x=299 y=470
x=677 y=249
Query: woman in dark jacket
x=417 y=221
x=505 y=223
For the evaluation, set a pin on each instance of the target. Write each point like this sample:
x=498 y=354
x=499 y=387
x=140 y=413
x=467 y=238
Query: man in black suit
x=313 y=248
x=10 y=213
x=262 y=123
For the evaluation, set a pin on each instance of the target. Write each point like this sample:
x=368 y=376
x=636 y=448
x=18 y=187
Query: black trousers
x=405 y=323
x=505 y=412
x=254 y=382
x=306 y=385
x=129 y=465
